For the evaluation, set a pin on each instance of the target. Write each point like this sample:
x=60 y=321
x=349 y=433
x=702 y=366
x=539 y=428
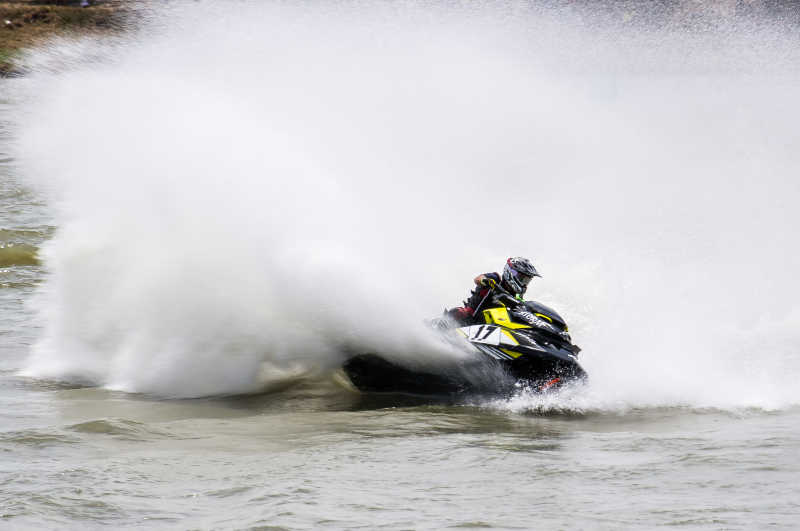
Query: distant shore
x=26 y=24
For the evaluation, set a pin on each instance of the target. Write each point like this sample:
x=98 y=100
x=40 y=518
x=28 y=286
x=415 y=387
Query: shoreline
x=27 y=24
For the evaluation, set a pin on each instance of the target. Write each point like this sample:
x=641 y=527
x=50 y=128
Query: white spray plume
x=266 y=184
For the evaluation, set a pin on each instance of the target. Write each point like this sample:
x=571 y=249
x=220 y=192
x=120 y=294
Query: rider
x=517 y=273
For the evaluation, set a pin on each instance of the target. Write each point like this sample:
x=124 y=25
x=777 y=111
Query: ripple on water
x=69 y=504
x=37 y=438
x=227 y=493
x=31 y=236
x=121 y=429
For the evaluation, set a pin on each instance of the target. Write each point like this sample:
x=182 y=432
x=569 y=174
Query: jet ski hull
x=528 y=347
x=484 y=375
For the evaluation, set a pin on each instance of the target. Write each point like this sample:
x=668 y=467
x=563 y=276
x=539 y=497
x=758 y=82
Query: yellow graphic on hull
x=511 y=353
x=499 y=316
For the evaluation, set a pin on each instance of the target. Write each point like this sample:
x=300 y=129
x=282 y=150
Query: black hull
x=371 y=373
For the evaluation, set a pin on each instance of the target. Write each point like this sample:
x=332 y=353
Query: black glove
x=488 y=282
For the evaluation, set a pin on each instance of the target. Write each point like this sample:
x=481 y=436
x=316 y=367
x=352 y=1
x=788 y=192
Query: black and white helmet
x=517 y=273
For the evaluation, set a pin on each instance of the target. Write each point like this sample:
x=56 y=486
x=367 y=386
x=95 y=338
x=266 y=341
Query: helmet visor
x=522 y=278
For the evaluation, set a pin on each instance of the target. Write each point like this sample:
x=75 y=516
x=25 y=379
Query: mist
x=242 y=192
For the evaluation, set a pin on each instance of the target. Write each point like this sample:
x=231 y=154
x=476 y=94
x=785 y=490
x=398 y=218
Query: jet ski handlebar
x=504 y=297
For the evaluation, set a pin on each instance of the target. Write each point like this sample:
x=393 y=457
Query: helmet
x=517 y=273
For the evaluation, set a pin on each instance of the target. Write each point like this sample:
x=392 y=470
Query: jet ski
x=510 y=345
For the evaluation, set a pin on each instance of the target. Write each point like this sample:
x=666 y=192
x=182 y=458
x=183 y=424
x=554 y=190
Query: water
x=190 y=234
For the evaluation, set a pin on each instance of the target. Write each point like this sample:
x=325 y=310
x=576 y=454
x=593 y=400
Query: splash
x=272 y=185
